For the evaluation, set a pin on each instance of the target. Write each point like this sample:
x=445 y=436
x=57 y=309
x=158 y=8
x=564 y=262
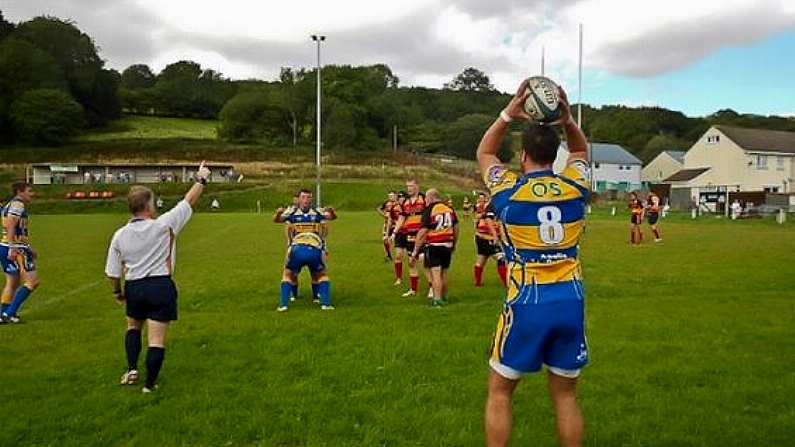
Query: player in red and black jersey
x=437 y=238
x=386 y=210
x=653 y=215
x=636 y=209
x=487 y=241
x=480 y=204
x=405 y=234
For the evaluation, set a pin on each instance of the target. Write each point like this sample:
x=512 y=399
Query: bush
x=46 y=116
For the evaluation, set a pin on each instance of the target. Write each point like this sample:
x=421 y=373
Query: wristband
x=202 y=180
x=505 y=117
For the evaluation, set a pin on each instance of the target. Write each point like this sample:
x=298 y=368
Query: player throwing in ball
x=542 y=321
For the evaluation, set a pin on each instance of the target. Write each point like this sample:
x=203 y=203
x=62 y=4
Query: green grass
x=147 y=127
x=692 y=343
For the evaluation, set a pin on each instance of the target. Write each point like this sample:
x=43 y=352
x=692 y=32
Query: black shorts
x=153 y=298
x=653 y=218
x=635 y=219
x=436 y=256
x=486 y=247
x=405 y=241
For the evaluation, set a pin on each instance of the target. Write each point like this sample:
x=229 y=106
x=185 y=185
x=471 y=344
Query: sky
x=696 y=56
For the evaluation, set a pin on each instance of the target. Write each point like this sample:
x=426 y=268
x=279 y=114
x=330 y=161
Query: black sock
x=154 y=361
x=132 y=344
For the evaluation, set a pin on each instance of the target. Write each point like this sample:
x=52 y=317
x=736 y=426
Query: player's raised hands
x=566 y=117
x=515 y=108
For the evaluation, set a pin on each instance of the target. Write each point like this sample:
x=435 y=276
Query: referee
x=142 y=252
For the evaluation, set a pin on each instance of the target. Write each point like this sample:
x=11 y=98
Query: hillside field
x=692 y=343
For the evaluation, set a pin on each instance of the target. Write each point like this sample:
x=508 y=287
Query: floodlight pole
x=318 y=39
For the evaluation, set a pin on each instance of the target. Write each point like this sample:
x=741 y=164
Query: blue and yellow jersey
x=16 y=208
x=542 y=215
x=306 y=226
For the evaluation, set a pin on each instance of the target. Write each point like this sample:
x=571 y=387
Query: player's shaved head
x=540 y=143
x=432 y=195
x=413 y=186
x=139 y=199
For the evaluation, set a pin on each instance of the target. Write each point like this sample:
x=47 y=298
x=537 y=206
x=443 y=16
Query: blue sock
x=22 y=294
x=287 y=288
x=315 y=292
x=295 y=290
x=324 y=290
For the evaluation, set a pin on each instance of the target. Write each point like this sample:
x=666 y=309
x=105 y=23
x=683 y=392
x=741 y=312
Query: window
x=713 y=139
x=780 y=163
x=771 y=188
x=761 y=162
x=596 y=165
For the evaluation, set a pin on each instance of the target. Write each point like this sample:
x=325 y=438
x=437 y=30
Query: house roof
x=685 y=175
x=677 y=155
x=760 y=139
x=609 y=153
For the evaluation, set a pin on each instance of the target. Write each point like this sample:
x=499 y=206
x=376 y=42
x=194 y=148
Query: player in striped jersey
x=385 y=210
x=406 y=229
x=437 y=238
x=487 y=244
x=307 y=249
x=17 y=258
x=636 y=218
x=653 y=215
x=543 y=214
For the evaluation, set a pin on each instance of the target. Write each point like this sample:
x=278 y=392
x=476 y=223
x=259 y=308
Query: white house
x=735 y=159
x=664 y=165
x=614 y=168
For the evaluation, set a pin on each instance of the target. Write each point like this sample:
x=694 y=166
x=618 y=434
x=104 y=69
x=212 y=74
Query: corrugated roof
x=611 y=154
x=677 y=155
x=760 y=139
x=686 y=175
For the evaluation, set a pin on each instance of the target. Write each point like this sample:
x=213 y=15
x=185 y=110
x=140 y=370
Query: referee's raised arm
x=142 y=254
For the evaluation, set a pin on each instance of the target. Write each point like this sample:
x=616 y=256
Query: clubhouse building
x=98 y=174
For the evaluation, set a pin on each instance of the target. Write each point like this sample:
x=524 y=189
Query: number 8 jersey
x=542 y=215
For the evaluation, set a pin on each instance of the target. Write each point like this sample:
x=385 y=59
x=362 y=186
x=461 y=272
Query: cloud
x=425 y=42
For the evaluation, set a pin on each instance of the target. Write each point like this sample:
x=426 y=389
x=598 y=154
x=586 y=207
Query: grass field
x=692 y=343
x=146 y=127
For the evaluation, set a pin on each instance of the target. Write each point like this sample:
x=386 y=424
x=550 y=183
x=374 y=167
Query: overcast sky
x=697 y=56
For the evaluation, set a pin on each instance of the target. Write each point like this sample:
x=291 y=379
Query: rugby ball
x=543 y=102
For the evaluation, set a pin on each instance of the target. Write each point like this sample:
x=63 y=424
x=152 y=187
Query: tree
x=340 y=127
x=184 y=89
x=461 y=138
x=23 y=67
x=46 y=116
x=6 y=27
x=76 y=54
x=253 y=116
x=138 y=76
x=470 y=80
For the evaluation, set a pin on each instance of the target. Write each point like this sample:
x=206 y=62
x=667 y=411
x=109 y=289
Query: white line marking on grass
x=89 y=286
